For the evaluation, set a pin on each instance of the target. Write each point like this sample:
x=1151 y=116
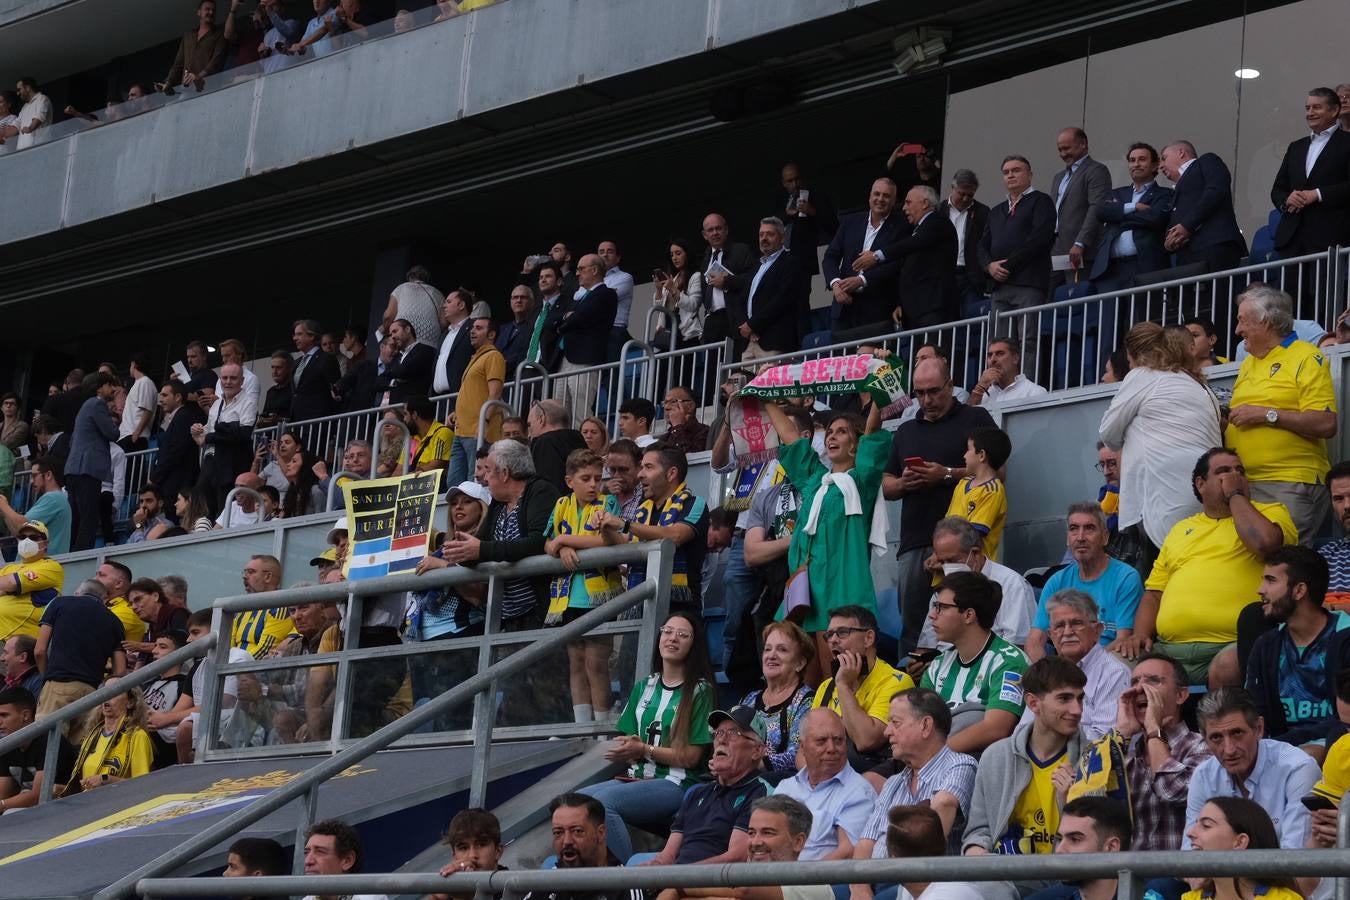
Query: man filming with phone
x=862 y=686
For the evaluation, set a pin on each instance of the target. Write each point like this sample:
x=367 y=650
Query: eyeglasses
x=669 y=403
x=1155 y=680
x=727 y=734
x=843 y=631
x=668 y=631
x=939 y=606
x=1071 y=625
x=1103 y=466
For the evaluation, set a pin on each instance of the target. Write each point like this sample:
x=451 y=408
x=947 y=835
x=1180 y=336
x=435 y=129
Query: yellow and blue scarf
x=571 y=517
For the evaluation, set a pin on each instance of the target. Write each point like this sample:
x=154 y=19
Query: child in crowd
x=980 y=498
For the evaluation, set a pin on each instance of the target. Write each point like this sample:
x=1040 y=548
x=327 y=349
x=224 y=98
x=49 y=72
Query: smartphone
x=1314 y=802
x=911 y=149
x=913 y=462
x=659 y=275
x=924 y=654
x=862 y=674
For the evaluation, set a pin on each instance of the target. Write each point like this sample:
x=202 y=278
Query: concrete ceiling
x=50 y=39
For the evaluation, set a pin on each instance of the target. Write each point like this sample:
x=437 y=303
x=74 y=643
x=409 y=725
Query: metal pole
x=308 y=808
x=229 y=503
x=351 y=639
x=483 y=412
x=49 y=764
x=485 y=701
x=333 y=486
x=1342 y=842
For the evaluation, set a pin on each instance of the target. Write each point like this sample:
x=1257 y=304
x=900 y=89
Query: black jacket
x=458 y=360
x=1023 y=239
x=1149 y=226
x=1314 y=228
x=513 y=339
x=312 y=397
x=779 y=304
x=176 y=460
x=736 y=259
x=875 y=302
x=807 y=233
x=1263 y=682
x=536 y=506
x=1202 y=201
x=584 y=329
x=927 y=269
x=550 y=451
x=227 y=452
x=411 y=376
x=359 y=387
x=977 y=219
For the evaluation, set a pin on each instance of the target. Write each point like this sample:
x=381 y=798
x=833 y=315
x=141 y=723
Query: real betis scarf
x=570 y=517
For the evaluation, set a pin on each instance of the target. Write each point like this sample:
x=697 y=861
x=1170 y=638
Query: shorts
x=1195 y=656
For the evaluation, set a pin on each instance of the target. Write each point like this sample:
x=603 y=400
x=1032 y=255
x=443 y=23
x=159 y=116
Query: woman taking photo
x=118 y=746
x=1236 y=823
x=785 y=697
x=672 y=706
x=680 y=293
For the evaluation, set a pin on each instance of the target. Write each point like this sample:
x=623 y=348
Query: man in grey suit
x=90 y=460
x=1076 y=190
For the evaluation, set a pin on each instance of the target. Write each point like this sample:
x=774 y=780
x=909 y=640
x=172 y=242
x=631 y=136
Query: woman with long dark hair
x=679 y=291
x=1236 y=823
x=303 y=494
x=118 y=745
x=663 y=735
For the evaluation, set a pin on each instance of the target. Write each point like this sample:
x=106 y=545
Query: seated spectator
x=193 y=510
x=168 y=698
x=1204 y=337
x=683 y=429
x=20 y=664
x=636 y=416
x=303 y=495
x=1274 y=774
x=433 y=439
x=257 y=631
x=1075 y=631
x=578 y=823
x=47 y=505
x=958 y=547
x=1002 y=380
x=332 y=847
x=1161 y=751
x=863 y=684
x=271 y=502
x=316 y=631
x=981 y=676
x=980 y=498
x=672 y=704
x=29 y=583
x=1238 y=823
x=121 y=749
x=475 y=837
x=22 y=769
x=1114 y=587
x=917 y=831
x=1090 y=825
x=152 y=607
x=79 y=639
x=711 y=824
x=1291 y=671
x=198 y=626
x=552 y=439
x=840 y=799
x=244 y=509
x=1283 y=410
x=514 y=429
x=785 y=698
x=1208 y=567
x=929 y=774
x=148 y=521
x=1023 y=780
x=1337 y=552
x=254 y=857
x=1108 y=495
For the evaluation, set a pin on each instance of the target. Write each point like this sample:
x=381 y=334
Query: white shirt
x=239 y=518
x=140 y=398
x=958 y=217
x=622 y=283
x=242 y=409
x=250 y=386
x=1316 y=145
x=440 y=384
x=1107 y=679
x=1181 y=172
x=1015 y=613
x=764 y=265
x=1161 y=422
x=117 y=486
x=719 y=297
x=645 y=441
x=944 y=890
x=1021 y=388
x=39 y=108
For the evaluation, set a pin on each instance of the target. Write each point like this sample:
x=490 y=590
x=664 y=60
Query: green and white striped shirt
x=650 y=715
x=993 y=679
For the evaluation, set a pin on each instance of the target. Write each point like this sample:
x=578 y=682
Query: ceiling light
x=1247 y=73
x=210 y=349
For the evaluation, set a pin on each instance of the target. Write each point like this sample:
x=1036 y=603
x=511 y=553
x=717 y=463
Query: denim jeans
x=740 y=586
x=461 y=460
x=650 y=800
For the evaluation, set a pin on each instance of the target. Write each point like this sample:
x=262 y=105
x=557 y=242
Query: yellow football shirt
x=39 y=583
x=983 y=505
x=257 y=631
x=1035 y=816
x=1294 y=376
x=882 y=683
x=132 y=626
x=1207 y=575
x=1335 y=771
x=434 y=446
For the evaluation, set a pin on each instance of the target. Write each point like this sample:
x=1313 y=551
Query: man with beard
x=1291 y=673
x=579 y=843
x=1090 y=825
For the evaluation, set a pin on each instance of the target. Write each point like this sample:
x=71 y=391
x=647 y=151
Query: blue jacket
x=1148 y=226
x=94 y=431
x=1202 y=201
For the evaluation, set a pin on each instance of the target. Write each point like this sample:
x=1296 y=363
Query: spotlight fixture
x=920 y=48
x=1246 y=74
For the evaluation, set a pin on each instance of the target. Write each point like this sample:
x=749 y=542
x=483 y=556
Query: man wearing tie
x=1312 y=187
x=928 y=292
x=315 y=374
x=776 y=296
x=455 y=350
x=863 y=303
x=723 y=304
x=583 y=338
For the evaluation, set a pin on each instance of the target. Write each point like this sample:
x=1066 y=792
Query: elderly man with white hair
x=928 y=291
x=1283 y=410
x=1075 y=631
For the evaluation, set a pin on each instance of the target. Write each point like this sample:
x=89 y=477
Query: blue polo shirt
x=710 y=812
x=1116 y=592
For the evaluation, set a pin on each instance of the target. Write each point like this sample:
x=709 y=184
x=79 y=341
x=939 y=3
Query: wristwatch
x=626 y=527
x=1158 y=736
x=950 y=476
x=1272 y=416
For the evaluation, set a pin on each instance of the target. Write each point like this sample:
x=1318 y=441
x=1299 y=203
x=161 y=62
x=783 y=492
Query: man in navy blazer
x=90 y=460
x=1134 y=219
x=410 y=371
x=313 y=377
x=865 y=301
x=1203 y=227
x=1312 y=187
x=513 y=337
x=776 y=298
x=583 y=337
x=928 y=289
x=177 y=458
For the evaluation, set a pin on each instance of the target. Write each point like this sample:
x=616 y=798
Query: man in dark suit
x=1203 y=227
x=409 y=372
x=863 y=304
x=1076 y=190
x=1133 y=219
x=969 y=217
x=553 y=302
x=1312 y=186
x=725 y=307
x=810 y=219
x=453 y=357
x=583 y=338
x=928 y=290
x=513 y=337
x=64 y=406
x=314 y=376
x=775 y=296
x=90 y=460
x=176 y=460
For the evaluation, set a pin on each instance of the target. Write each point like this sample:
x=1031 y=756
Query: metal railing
x=653 y=594
x=48 y=725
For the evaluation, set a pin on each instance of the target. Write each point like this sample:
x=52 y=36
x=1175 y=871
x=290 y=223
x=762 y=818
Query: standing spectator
x=201 y=52
x=583 y=337
x=176 y=460
x=1162 y=753
x=277 y=403
x=864 y=303
x=776 y=296
x=1114 y=587
x=785 y=697
x=139 y=411
x=226 y=438
x=1002 y=379
x=980 y=498
x=20 y=664
x=365 y=375
x=1337 y=552
x=317 y=30
x=1203 y=227
x=810 y=217
x=434 y=440
x=1015 y=249
x=937 y=436
x=78 y=640
x=680 y=293
x=1283 y=410
x=622 y=284
x=315 y=374
x=1274 y=774
x=411 y=370
x=1075 y=631
x=48 y=505
x=1161 y=418
x=1312 y=186
x=552 y=440
x=929 y=294
x=90 y=461
x=1135 y=218
x=683 y=429
x=543 y=346
x=1077 y=189
x=483 y=381
x=9 y=121
x=36 y=113
x=200 y=375
x=455 y=351
x=64 y=405
x=513 y=337
x=14 y=430
x=22 y=767
x=840 y=799
x=723 y=304
x=969 y=217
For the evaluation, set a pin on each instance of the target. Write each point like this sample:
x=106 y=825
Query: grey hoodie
x=1004 y=772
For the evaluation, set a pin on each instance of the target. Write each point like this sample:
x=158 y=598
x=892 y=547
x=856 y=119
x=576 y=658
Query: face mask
x=29 y=548
x=949 y=568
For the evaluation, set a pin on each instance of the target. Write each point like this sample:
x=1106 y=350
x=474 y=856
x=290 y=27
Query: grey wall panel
x=739 y=20
x=436 y=54
x=35 y=185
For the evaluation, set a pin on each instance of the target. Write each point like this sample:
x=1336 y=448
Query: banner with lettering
x=389 y=523
x=885 y=379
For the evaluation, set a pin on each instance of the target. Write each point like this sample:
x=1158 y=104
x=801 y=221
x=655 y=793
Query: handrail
x=378 y=444
x=334 y=486
x=532 y=366
x=483 y=412
x=76 y=710
x=649 y=363
x=655 y=590
x=1037 y=867
x=672 y=325
x=228 y=505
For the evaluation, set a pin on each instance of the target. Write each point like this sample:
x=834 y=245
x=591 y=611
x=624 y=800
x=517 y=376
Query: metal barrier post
x=335 y=488
x=1342 y=842
x=227 y=510
x=222 y=624
x=49 y=764
x=351 y=638
x=485 y=701
x=483 y=412
x=648 y=364
x=520 y=370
